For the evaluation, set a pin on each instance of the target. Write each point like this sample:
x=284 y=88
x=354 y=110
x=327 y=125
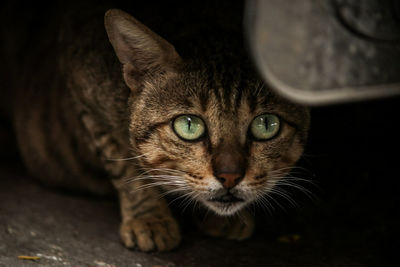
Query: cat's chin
x=225 y=208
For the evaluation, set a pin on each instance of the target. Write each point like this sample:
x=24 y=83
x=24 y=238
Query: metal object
x=320 y=52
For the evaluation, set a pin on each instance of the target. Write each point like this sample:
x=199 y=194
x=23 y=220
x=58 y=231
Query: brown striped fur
x=84 y=120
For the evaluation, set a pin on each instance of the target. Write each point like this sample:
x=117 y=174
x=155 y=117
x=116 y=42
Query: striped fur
x=84 y=123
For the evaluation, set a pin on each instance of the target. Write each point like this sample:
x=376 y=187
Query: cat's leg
x=237 y=227
x=147 y=222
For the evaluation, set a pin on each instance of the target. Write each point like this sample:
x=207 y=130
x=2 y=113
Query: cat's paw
x=239 y=227
x=151 y=234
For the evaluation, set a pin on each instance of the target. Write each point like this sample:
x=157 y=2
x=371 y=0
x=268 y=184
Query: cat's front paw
x=239 y=227
x=151 y=234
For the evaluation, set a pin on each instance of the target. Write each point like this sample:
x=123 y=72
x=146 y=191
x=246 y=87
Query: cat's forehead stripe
x=225 y=88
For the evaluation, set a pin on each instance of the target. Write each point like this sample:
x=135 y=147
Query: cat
x=128 y=112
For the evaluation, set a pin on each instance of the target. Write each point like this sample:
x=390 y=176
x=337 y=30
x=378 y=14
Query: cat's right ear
x=140 y=50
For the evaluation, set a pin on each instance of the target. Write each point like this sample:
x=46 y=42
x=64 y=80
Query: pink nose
x=229 y=180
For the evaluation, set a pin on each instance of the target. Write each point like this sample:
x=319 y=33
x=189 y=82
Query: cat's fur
x=83 y=124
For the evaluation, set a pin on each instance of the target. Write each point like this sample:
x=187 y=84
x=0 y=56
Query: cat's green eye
x=265 y=126
x=189 y=127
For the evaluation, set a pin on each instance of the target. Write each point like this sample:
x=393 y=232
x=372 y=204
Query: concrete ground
x=354 y=220
x=68 y=230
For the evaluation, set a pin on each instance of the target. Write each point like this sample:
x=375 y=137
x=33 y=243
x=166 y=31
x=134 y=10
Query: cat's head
x=204 y=125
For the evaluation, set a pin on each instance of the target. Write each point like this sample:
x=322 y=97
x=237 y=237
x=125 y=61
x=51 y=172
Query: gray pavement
x=70 y=230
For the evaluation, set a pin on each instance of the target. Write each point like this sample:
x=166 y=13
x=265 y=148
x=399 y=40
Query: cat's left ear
x=140 y=50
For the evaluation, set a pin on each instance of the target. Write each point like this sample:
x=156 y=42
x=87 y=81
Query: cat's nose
x=229 y=164
x=229 y=180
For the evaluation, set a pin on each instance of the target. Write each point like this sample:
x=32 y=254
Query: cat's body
x=83 y=124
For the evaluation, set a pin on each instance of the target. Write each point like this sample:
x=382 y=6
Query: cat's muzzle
x=225 y=202
x=228 y=197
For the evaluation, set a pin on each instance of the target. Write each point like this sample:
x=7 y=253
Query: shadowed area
x=353 y=221
x=352 y=160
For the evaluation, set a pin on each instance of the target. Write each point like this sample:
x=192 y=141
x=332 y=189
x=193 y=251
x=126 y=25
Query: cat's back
x=41 y=45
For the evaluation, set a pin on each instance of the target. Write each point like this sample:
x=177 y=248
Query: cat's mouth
x=225 y=204
x=227 y=198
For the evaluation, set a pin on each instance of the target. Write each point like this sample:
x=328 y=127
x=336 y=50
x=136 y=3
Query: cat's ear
x=140 y=50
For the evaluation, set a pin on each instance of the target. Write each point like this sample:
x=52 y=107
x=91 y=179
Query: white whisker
x=127 y=159
x=186 y=195
x=284 y=194
x=179 y=189
x=191 y=200
x=156 y=184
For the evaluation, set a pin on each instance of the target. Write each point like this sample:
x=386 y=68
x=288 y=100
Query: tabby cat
x=145 y=119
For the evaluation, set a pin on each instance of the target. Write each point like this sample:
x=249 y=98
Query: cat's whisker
x=298 y=180
x=294 y=185
x=277 y=177
x=147 y=186
x=262 y=200
x=277 y=182
x=284 y=194
x=192 y=199
x=140 y=189
x=154 y=177
x=196 y=206
x=179 y=189
x=188 y=194
x=161 y=170
x=289 y=170
x=127 y=159
x=157 y=184
x=157 y=176
x=149 y=180
x=270 y=196
x=186 y=199
x=300 y=188
x=292 y=177
x=163 y=182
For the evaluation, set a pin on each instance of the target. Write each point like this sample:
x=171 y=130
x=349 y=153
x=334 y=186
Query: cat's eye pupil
x=264 y=127
x=265 y=123
x=189 y=127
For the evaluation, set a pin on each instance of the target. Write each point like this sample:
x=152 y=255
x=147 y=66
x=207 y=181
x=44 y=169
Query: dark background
x=352 y=159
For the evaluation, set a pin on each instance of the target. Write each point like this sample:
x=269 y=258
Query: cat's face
x=224 y=147
x=205 y=128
